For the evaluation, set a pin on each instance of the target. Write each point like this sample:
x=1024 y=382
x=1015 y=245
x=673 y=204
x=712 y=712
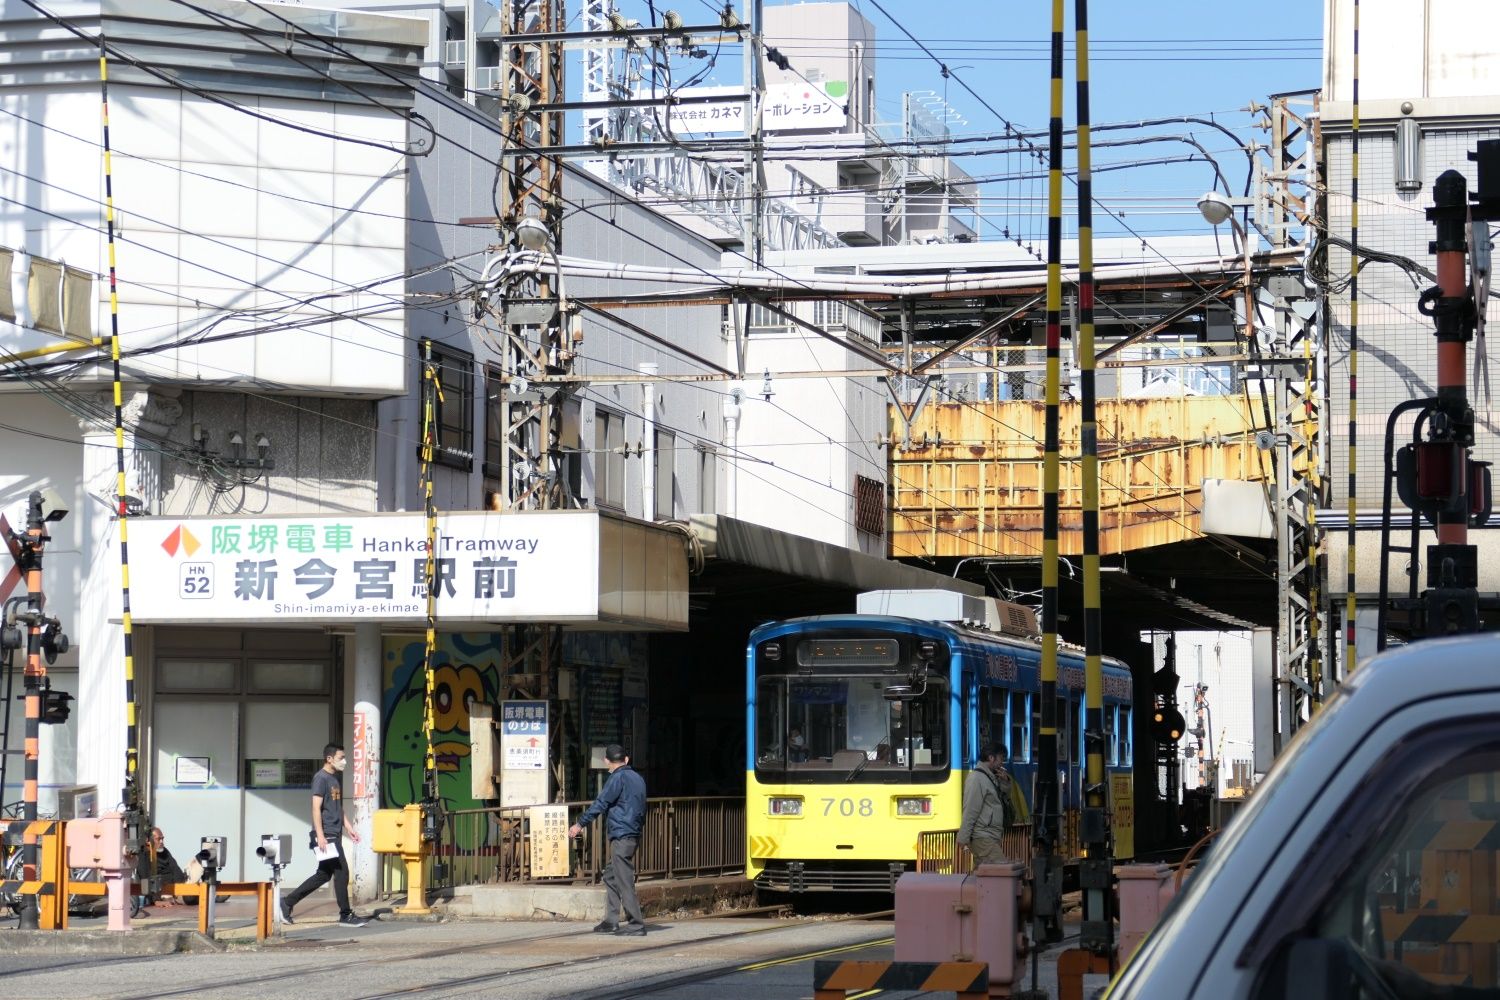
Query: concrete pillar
x=100 y=709
x=363 y=663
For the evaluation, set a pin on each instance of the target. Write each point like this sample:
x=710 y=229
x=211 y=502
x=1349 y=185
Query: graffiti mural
x=466 y=668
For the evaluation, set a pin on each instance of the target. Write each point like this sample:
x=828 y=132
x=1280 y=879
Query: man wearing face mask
x=328 y=833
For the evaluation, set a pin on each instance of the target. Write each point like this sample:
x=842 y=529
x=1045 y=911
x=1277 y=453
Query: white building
x=287 y=237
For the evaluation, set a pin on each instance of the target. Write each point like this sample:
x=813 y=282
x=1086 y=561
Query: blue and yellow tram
x=862 y=728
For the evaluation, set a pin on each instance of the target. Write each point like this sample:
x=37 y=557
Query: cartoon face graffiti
x=454 y=690
x=457 y=686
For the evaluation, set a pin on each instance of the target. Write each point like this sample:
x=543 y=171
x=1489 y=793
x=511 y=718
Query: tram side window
x=771 y=727
x=1020 y=727
x=1075 y=714
x=1111 y=741
x=986 y=730
x=1064 y=746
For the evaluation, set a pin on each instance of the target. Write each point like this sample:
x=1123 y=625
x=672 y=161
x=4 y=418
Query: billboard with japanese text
x=787 y=106
x=488 y=566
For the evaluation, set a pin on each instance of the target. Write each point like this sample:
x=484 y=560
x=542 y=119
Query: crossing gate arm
x=832 y=979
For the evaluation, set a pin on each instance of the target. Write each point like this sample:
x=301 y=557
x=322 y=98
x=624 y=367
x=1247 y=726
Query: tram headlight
x=786 y=806
x=914 y=806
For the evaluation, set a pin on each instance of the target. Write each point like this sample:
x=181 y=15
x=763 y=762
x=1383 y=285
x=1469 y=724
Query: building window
x=708 y=480
x=453 y=410
x=828 y=314
x=869 y=505
x=665 y=444
x=609 y=459
x=494 y=422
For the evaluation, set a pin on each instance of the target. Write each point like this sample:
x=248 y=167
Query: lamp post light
x=532 y=234
x=1216 y=210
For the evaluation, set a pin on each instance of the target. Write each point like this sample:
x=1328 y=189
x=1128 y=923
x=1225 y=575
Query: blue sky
x=1158 y=59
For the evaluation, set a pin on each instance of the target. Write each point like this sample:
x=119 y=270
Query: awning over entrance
x=741 y=556
x=567 y=567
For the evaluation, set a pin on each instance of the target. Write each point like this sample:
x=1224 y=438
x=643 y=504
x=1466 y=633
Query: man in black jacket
x=622 y=802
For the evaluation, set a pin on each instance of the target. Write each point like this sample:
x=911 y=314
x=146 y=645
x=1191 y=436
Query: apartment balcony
x=856 y=217
x=455 y=53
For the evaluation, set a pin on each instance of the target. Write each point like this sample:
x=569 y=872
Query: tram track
x=365 y=962
x=510 y=975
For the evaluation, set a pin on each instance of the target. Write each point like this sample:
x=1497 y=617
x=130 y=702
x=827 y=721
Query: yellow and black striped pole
x=431 y=397
x=1046 y=866
x=1350 y=583
x=131 y=794
x=1096 y=876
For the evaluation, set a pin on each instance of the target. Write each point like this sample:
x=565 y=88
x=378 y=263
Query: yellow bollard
x=399 y=831
x=53 y=915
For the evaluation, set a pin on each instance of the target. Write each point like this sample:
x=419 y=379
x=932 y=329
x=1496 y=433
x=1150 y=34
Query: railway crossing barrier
x=833 y=979
x=99 y=844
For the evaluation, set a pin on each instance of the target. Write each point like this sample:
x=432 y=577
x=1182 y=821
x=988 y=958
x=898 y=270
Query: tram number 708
x=849 y=807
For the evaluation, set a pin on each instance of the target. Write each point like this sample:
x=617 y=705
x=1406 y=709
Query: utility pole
x=41 y=632
x=535 y=472
x=753 y=192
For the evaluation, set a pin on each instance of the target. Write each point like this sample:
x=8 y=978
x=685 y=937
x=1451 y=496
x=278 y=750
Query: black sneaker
x=351 y=920
x=606 y=927
x=631 y=930
x=286 y=913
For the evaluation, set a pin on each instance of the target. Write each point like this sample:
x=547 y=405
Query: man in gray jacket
x=987 y=807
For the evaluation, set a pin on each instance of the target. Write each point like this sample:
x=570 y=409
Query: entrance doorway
x=238 y=727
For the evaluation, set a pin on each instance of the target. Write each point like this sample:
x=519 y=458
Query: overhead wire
x=708 y=274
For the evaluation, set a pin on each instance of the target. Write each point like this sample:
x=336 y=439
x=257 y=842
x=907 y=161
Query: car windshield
x=843 y=728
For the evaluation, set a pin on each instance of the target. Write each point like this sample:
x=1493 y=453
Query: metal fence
x=682 y=838
x=939 y=852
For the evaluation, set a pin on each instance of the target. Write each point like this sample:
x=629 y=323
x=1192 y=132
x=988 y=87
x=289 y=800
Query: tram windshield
x=841 y=727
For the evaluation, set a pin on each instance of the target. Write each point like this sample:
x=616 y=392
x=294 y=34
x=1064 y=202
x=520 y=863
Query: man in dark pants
x=622 y=802
x=328 y=832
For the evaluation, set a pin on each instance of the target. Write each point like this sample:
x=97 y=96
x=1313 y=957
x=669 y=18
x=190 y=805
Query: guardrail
x=682 y=838
x=939 y=852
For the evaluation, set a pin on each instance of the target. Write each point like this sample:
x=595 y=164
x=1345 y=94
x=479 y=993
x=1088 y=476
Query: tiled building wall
x=1397 y=349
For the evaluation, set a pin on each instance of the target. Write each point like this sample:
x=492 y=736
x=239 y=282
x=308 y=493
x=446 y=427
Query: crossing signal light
x=55 y=707
x=1167 y=724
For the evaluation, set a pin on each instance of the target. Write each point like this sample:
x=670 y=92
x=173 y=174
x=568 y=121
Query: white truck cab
x=1367 y=865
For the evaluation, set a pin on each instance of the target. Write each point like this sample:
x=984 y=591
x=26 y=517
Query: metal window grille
x=869 y=506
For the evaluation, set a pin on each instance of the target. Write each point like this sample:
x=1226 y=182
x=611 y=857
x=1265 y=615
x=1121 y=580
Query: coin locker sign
x=487 y=566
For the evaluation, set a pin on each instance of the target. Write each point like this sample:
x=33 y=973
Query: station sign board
x=488 y=567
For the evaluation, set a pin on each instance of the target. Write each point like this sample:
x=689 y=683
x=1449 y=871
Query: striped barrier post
x=44 y=885
x=832 y=979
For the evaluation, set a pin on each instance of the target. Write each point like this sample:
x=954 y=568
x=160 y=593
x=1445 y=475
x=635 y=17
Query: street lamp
x=532 y=234
x=1216 y=210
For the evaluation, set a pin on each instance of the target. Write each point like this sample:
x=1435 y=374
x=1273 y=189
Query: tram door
x=236 y=738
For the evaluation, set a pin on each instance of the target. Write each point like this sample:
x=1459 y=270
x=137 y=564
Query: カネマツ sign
x=487 y=566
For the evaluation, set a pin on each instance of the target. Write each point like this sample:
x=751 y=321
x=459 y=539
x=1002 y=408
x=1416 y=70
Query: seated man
x=157 y=862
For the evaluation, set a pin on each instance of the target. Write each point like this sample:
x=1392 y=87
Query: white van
x=1367 y=865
